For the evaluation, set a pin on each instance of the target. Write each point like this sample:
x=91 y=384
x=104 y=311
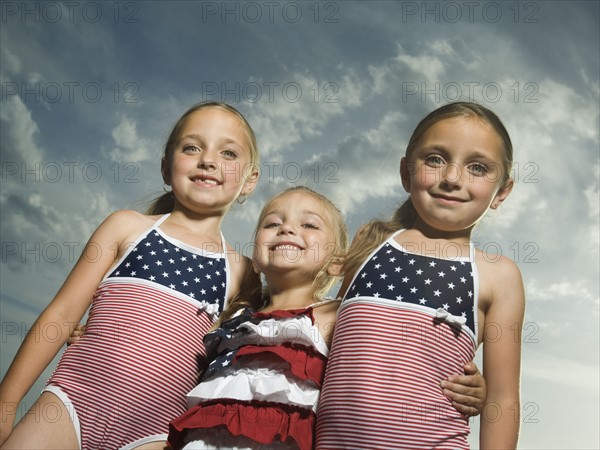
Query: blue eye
x=434 y=160
x=478 y=169
x=229 y=154
x=189 y=148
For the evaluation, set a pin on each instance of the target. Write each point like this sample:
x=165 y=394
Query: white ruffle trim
x=271 y=332
x=257 y=384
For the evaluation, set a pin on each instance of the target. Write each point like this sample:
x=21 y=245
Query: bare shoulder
x=500 y=282
x=122 y=228
x=328 y=307
x=238 y=262
x=327 y=311
x=124 y=221
x=130 y=218
x=325 y=316
x=243 y=278
x=502 y=268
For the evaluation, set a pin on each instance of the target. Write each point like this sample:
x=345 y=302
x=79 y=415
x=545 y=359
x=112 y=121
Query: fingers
x=465 y=403
x=470 y=368
x=76 y=335
x=466 y=410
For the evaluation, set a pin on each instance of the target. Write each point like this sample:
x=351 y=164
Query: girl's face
x=455 y=174
x=211 y=162
x=294 y=236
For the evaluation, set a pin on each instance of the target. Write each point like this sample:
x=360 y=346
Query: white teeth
x=206 y=181
x=285 y=247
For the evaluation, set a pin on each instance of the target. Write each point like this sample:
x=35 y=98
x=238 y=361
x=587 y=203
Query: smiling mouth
x=446 y=198
x=285 y=247
x=205 y=180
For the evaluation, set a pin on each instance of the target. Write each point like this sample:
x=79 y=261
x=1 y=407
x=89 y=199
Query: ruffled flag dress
x=261 y=388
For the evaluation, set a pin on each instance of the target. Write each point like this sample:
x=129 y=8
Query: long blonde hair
x=165 y=203
x=371 y=235
x=251 y=297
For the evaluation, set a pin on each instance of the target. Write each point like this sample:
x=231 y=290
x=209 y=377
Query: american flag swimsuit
x=142 y=349
x=407 y=322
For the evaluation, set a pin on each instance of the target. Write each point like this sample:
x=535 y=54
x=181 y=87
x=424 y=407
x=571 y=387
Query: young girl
x=262 y=385
x=266 y=369
x=419 y=299
x=154 y=283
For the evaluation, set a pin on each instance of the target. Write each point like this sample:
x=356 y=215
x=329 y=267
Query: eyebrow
x=197 y=137
x=475 y=154
x=304 y=211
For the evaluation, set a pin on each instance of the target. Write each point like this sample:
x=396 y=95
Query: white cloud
x=592 y=195
x=18 y=134
x=302 y=108
x=429 y=66
x=11 y=63
x=129 y=145
x=367 y=164
x=567 y=109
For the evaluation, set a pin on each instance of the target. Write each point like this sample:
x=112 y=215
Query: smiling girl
x=418 y=296
x=154 y=288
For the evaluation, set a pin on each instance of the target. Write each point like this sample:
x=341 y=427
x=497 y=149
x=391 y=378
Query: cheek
x=426 y=176
x=485 y=187
x=179 y=165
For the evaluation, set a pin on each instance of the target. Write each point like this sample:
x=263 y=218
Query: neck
x=290 y=298
x=207 y=224
x=200 y=231
x=461 y=237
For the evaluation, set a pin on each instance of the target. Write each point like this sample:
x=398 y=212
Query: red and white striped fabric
x=381 y=389
x=130 y=373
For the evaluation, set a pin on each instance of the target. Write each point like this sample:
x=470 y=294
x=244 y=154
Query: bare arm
x=63 y=313
x=502 y=358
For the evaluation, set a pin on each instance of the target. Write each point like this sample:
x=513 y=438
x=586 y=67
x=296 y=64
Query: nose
x=451 y=176
x=286 y=228
x=206 y=160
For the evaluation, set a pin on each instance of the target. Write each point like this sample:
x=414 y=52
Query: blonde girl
x=154 y=289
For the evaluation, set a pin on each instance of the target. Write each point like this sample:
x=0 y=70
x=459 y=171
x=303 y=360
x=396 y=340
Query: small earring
x=165 y=185
x=243 y=197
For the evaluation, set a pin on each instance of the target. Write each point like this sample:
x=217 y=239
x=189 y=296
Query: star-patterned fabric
x=199 y=275
x=395 y=274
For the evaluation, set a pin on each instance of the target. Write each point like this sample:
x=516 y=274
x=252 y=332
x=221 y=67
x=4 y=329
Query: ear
x=165 y=171
x=502 y=193
x=251 y=179
x=405 y=172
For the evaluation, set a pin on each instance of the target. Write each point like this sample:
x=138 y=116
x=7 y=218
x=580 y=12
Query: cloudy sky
x=333 y=91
